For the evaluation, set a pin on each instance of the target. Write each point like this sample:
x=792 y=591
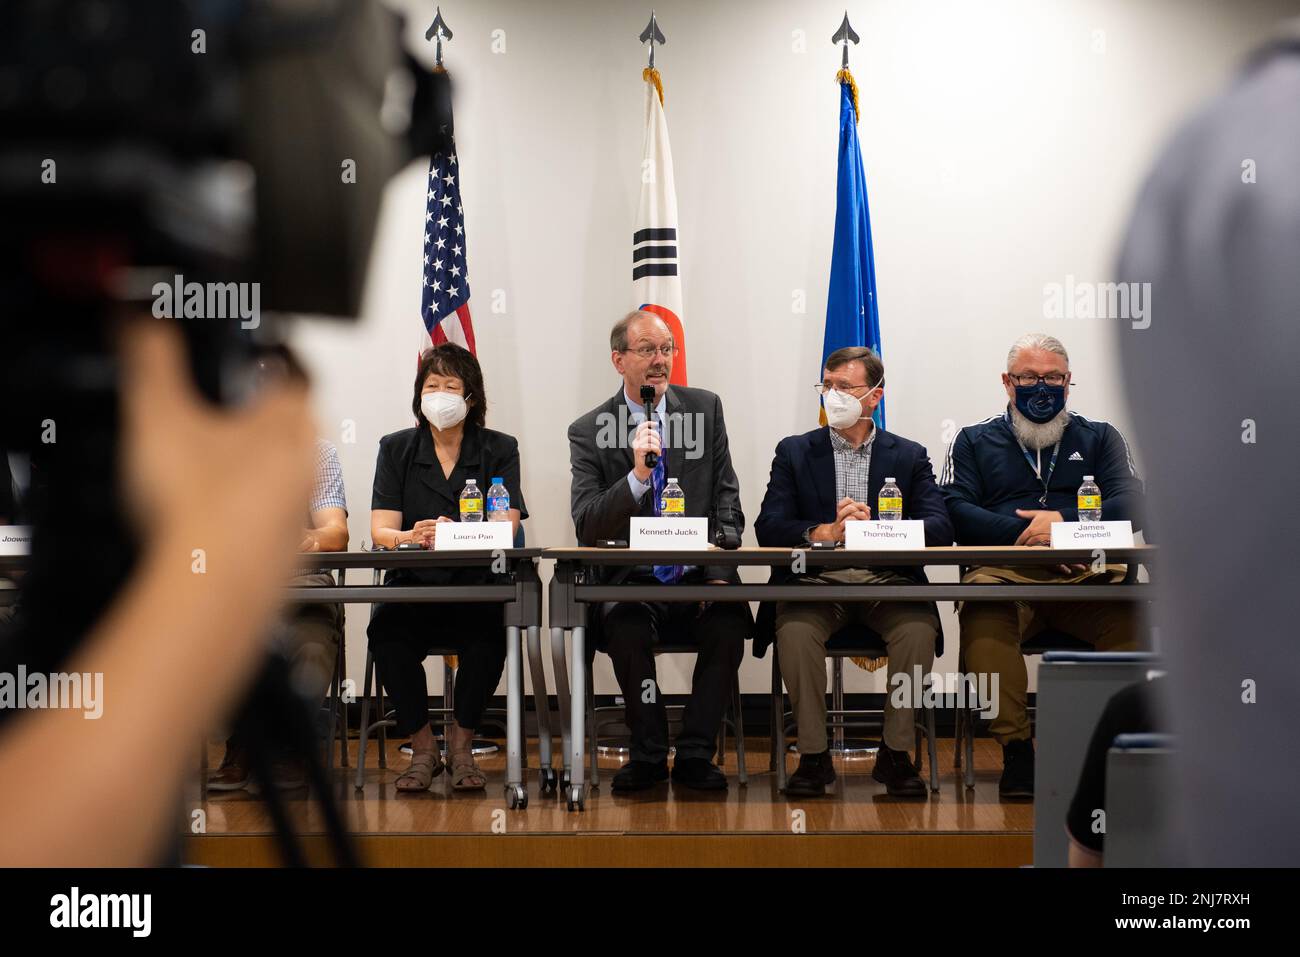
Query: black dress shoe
x=815 y=771
x=639 y=775
x=1017 y=769
x=895 y=770
x=699 y=773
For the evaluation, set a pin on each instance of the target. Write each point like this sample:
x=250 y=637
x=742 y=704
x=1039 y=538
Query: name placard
x=661 y=532
x=872 y=536
x=464 y=536
x=1092 y=534
x=15 y=539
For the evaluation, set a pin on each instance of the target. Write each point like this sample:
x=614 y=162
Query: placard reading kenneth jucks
x=684 y=533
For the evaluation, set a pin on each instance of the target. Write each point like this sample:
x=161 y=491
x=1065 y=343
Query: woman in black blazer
x=418 y=480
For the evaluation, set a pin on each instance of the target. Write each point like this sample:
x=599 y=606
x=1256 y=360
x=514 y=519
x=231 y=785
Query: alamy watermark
x=208 y=300
x=133 y=912
x=681 y=430
x=1098 y=300
x=74 y=690
x=975 y=690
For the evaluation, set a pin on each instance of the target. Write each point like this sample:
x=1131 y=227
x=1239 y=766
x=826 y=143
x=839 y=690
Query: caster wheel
x=516 y=798
x=577 y=800
x=548 y=781
x=564 y=781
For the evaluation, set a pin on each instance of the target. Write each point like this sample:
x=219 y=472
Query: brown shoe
x=233 y=773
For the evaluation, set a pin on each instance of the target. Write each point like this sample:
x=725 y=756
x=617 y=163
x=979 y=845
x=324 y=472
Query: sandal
x=464 y=772
x=424 y=767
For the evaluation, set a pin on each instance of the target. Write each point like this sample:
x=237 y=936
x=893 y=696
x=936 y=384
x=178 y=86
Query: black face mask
x=1040 y=403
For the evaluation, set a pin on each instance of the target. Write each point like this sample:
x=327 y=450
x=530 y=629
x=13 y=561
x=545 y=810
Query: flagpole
x=437 y=30
x=653 y=34
x=843 y=36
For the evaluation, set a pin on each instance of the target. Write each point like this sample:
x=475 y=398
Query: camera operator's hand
x=230 y=483
x=227 y=479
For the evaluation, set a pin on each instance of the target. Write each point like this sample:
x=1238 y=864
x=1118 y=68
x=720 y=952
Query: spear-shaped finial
x=654 y=35
x=843 y=35
x=440 y=30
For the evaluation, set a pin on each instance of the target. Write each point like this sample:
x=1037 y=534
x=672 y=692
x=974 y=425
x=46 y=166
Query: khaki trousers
x=992 y=631
x=909 y=630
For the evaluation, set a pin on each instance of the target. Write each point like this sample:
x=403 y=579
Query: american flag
x=444 y=304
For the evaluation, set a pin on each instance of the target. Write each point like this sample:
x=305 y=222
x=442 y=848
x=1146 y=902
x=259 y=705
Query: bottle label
x=471 y=505
x=1089 y=502
x=672 y=506
x=890 y=505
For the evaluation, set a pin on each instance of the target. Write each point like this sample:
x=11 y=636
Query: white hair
x=1036 y=340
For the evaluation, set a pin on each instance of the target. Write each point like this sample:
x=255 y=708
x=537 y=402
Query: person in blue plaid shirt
x=310 y=635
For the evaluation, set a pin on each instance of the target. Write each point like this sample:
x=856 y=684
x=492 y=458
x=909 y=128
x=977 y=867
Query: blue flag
x=852 y=318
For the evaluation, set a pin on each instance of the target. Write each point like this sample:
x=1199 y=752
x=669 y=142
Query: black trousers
x=400 y=638
x=631 y=632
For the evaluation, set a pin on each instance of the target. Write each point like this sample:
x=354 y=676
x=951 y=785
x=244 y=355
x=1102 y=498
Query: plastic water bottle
x=672 y=503
x=889 y=506
x=471 y=502
x=498 y=502
x=1089 y=501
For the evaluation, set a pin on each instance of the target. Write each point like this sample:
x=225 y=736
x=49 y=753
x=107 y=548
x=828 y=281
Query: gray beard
x=1032 y=435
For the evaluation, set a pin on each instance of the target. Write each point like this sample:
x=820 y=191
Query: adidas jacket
x=986 y=478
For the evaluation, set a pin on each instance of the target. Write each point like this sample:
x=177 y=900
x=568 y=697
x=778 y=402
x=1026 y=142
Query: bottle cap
x=672 y=480
x=889 y=481
x=497 y=481
x=1087 y=478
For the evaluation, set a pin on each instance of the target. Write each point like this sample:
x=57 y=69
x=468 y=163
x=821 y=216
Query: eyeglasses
x=1029 y=379
x=649 y=352
x=824 y=387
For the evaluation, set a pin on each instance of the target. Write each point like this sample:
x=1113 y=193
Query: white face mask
x=444 y=409
x=843 y=411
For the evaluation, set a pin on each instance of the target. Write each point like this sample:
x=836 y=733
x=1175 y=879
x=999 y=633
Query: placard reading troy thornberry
x=685 y=533
x=871 y=536
x=463 y=536
x=1092 y=534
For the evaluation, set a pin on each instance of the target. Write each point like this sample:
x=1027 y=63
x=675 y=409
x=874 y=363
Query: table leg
x=577 y=719
x=516 y=794
x=560 y=665
x=547 y=774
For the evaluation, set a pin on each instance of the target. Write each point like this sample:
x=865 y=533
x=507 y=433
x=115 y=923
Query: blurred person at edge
x=230 y=481
x=310 y=634
x=1216 y=231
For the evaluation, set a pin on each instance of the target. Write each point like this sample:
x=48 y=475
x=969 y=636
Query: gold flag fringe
x=844 y=76
x=651 y=75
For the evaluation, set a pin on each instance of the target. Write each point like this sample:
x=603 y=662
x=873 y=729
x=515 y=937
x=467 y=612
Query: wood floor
x=856 y=824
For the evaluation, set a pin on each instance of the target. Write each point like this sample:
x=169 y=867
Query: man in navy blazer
x=820 y=480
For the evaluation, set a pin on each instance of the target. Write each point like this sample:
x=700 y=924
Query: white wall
x=1003 y=141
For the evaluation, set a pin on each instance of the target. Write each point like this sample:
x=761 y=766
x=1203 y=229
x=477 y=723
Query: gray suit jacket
x=600 y=455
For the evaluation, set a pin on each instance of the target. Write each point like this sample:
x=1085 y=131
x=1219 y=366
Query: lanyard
x=1038 y=467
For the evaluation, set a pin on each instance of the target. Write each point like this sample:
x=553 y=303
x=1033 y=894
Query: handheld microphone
x=648 y=397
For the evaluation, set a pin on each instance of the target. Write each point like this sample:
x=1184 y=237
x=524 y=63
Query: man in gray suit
x=612 y=483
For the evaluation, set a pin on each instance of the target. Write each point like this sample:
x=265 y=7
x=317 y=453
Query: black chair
x=854 y=640
x=616 y=714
